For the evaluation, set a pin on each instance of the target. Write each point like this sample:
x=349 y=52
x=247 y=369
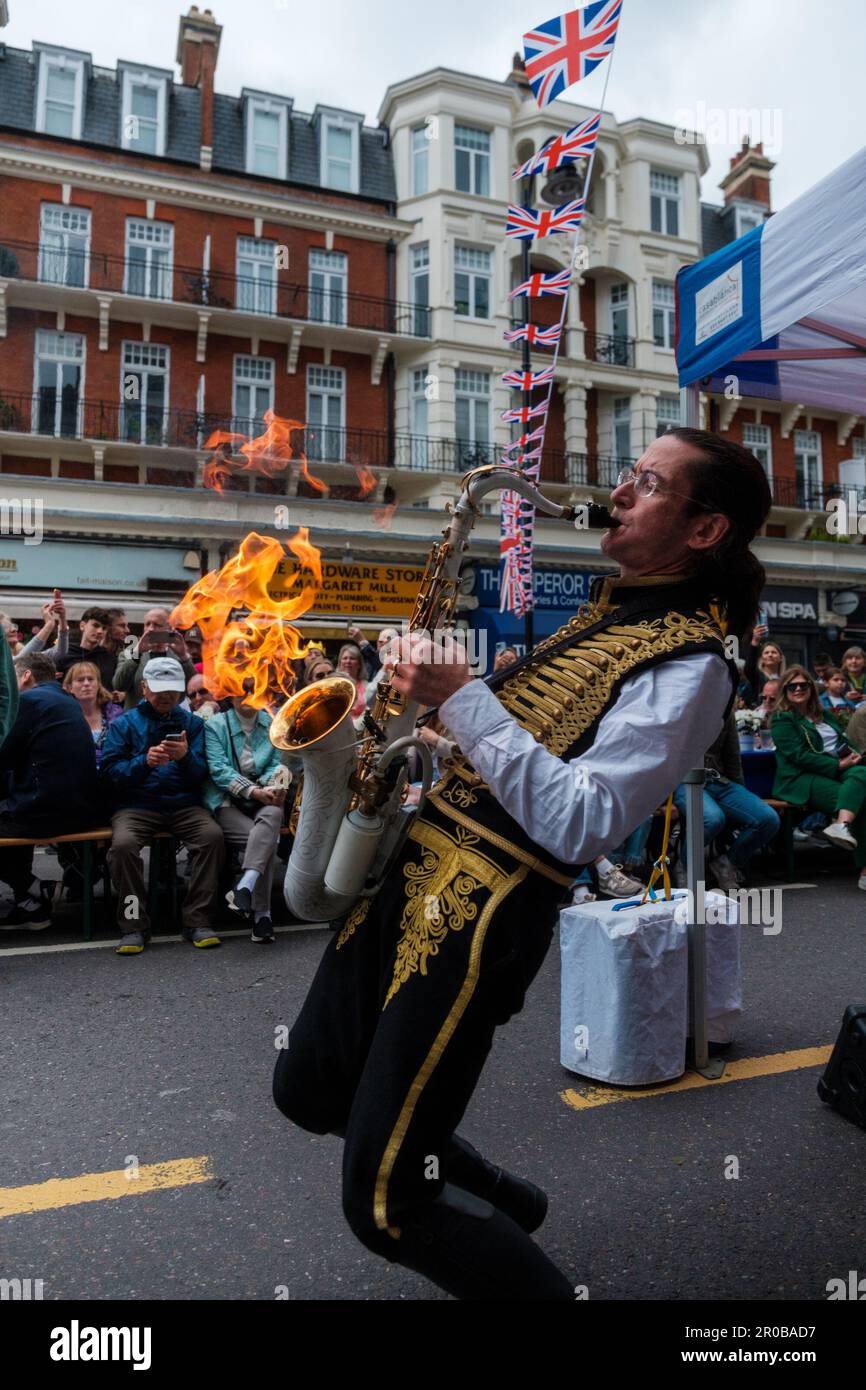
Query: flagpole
x=528 y=190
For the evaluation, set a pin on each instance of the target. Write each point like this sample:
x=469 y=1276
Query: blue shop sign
x=555 y=589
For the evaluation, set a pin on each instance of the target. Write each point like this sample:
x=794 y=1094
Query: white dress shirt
x=656 y=732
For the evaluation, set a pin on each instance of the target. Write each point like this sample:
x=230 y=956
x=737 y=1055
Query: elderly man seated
x=154 y=758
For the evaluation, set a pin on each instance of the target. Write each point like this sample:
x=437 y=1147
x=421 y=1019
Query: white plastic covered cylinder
x=354 y=851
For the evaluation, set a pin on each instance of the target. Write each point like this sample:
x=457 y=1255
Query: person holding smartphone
x=154 y=760
x=158 y=639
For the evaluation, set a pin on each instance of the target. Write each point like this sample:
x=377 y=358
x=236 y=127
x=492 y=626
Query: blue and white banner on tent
x=783 y=309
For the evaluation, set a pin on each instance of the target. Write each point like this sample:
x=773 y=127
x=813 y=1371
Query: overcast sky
x=801 y=64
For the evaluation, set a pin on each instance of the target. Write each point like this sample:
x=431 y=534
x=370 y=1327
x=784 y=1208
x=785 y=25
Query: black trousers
x=400 y=1018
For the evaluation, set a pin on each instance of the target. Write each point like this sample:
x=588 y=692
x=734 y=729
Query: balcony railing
x=154 y=276
x=612 y=348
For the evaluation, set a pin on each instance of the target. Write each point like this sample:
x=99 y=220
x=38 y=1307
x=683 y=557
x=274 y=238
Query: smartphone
x=159 y=637
x=172 y=738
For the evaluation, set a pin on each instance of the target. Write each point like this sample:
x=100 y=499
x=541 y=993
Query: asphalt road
x=168 y=1056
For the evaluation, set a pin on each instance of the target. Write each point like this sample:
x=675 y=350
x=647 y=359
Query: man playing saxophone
x=558 y=756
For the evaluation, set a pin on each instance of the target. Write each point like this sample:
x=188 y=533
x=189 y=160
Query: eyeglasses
x=798 y=685
x=646 y=483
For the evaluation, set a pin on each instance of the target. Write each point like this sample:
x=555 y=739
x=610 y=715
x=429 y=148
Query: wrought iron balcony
x=611 y=348
x=155 y=276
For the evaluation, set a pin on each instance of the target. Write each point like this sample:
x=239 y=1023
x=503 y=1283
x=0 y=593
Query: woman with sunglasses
x=815 y=767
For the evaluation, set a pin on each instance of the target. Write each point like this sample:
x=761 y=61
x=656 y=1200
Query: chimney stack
x=749 y=175
x=198 y=42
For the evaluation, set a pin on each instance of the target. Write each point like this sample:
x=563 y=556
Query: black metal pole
x=527 y=367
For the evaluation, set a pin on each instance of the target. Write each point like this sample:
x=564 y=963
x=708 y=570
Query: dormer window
x=340 y=147
x=748 y=218
x=60 y=93
x=267 y=125
x=144 y=105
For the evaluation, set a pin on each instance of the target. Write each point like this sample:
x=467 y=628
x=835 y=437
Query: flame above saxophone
x=351 y=822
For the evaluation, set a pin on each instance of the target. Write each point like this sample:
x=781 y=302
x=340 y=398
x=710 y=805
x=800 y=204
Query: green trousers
x=847 y=794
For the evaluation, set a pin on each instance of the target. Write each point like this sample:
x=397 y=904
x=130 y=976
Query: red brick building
x=175 y=261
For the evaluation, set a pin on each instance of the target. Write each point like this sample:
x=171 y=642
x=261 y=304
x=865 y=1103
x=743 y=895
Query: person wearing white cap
x=154 y=761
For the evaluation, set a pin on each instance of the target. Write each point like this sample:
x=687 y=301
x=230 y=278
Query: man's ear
x=708 y=530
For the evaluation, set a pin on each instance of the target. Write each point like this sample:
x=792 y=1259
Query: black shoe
x=521 y=1200
x=240 y=900
x=475 y=1252
x=262 y=931
x=33 y=918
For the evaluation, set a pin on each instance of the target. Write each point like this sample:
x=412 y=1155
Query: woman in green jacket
x=815 y=767
x=8 y=688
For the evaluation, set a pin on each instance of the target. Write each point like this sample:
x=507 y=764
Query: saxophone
x=352 y=823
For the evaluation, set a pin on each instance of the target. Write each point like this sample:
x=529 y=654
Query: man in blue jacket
x=155 y=762
x=48 y=781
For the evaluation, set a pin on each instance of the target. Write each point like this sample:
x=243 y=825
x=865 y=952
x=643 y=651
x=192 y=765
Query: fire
x=366 y=480
x=258 y=643
x=268 y=454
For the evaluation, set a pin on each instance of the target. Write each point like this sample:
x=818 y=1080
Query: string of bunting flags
x=558 y=53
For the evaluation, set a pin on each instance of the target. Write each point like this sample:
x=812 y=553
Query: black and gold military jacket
x=562 y=689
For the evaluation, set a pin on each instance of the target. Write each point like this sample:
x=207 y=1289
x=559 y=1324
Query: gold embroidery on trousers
x=438 y=897
x=354 y=919
x=428 y=1066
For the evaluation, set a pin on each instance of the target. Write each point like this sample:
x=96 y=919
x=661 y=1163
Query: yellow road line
x=98 y=1187
x=589 y=1096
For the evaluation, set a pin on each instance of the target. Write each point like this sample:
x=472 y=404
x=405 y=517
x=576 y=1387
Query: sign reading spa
x=356 y=590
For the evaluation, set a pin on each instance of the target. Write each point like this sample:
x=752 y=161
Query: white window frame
x=753 y=215
x=475 y=156
x=48 y=347
x=474 y=385
x=143 y=77
x=476 y=263
x=419 y=265
x=332 y=120
x=619 y=298
x=261 y=253
x=669 y=412
x=331 y=302
x=269 y=107
x=57 y=58
x=759 y=440
x=668 y=196
x=155 y=360
x=419 y=446
x=255 y=372
x=664 y=305
x=330 y=384
x=59 y=213
x=419 y=155
x=621 y=415
x=858 y=447
x=807 y=444
x=165 y=273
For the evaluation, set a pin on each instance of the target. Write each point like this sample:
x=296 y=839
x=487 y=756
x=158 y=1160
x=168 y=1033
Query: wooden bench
x=88 y=839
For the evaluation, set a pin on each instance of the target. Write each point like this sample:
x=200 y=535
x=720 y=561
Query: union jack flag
x=577 y=143
x=527 y=381
x=524 y=413
x=538 y=285
x=526 y=223
x=532 y=333
x=561 y=51
x=524 y=439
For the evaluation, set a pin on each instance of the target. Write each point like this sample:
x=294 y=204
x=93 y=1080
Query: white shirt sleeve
x=659 y=729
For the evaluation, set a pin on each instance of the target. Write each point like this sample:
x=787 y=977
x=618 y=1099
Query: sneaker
x=262 y=931
x=861 y=882
x=240 y=900
x=617 y=884
x=579 y=898
x=840 y=834
x=201 y=936
x=130 y=944
x=33 y=918
x=726 y=874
